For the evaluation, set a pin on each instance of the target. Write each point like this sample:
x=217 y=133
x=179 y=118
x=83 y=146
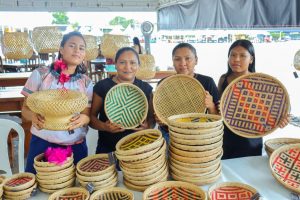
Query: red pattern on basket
x=95 y=165
x=286 y=166
x=72 y=196
x=231 y=193
x=174 y=193
x=18 y=181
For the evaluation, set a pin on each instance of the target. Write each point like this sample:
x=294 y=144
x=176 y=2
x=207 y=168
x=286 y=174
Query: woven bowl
x=110 y=44
x=235 y=190
x=57 y=106
x=253 y=104
x=197 y=131
x=146 y=69
x=19 y=182
x=196 y=136
x=46 y=39
x=56 y=174
x=114 y=193
x=274 y=143
x=91 y=49
x=70 y=194
x=297 y=60
x=39 y=161
x=197 y=148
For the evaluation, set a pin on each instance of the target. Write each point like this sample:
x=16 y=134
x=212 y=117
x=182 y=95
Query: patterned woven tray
x=114 y=193
x=174 y=190
x=178 y=94
x=74 y=193
x=126 y=104
x=230 y=191
x=275 y=143
x=19 y=182
x=253 y=104
x=284 y=164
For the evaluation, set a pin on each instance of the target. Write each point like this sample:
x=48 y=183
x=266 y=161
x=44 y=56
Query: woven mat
x=253 y=104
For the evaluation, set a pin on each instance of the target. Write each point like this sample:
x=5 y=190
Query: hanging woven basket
x=46 y=39
x=297 y=60
x=91 y=49
x=146 y=70
x=112 y=43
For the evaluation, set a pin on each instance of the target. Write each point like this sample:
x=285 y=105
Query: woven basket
x=174 y=190
x=198 y=154
x=253 y=104
x=183 y=168
x=74 y=193
x=57 y=174
x=16 y=45
x=284 y=166
x=198 y=131
x=233 y=189
x=146 y=69
x=194 y=142
x=194 y=136
x=91 y=49
x=46 y=39
x=126 y=104
x=57 y=106
x=108 y=181
x=274 y=143
x=58 y=186
x=21 y=192
x=178 y=94
x=112 y=43
x=19 y=182
x=202 y=175
x=101 y=177
x=39 y=161
x=143 y=172
x=297 y=60
x=114 y=193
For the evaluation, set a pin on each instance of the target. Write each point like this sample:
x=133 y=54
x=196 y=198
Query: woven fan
x=178 y=94
x=146 y=69
x=253 y=104
x=91 y=49
x=297 y=60
x=112 y=43
x=126 y=104
x=46 y=39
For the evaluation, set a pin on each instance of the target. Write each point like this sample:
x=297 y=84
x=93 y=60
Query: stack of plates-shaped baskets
x=113 y=193
x=142 y=157
x=19 y=186
x=73 y=193
x=274 y=143
x=98 y=170
x=195 y=147
x=1 y=185
x=51 y=176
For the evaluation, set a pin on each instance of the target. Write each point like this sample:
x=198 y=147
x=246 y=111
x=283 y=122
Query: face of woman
x=127 y=65
x=184 y=61
x=239 y=59
x=73 y=52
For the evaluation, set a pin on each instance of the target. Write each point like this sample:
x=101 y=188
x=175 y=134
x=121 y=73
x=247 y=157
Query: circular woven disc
x=112 y=193
x=178 y=94
x=275 y=143
x=126 y=104
x=253 y=104
x=297 y=60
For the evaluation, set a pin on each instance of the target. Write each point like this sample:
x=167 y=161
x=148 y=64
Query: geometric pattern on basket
x=72 y=196
x=174 y=193
x=18 y=181
x=113 y=196
x=139 y=141
x=254 y=104
x=95 y=165
x=231 y=193
x=286 y=166
x=126 y=105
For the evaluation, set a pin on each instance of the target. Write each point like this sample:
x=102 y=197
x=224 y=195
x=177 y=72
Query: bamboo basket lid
x=146 y=70
x=274 y=143
x=46 y=39
x=178 y=94
x=174 y=190
x=231 y=190
x=284 y=166
x=91 y=49
x=19 y=182
x=70 y=194
x=114 y=193
x=297 y=60
x=110 y=44
x=57 y=106
x=253 y=104
x=126 y=104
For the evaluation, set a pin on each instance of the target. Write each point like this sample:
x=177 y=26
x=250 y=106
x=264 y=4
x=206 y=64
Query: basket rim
x=19 y=187
x=269 y=142
x=197 y=148
x=194 y=142
x=96 y=177
x=112 y=190
x=46 y=164
x=194 y=136
x=183 y=168
x=71 y=189
x=22 y=192
x=198 y=154
x=202 y=131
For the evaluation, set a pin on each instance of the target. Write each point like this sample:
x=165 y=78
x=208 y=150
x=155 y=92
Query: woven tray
x=273 y=144
x=146 y=69
x=174 y=190
x=126 y=104
x=231 y=190
x=21 y=192
x=39 y=161
x=198 y=131
x=253 y=104
x=284 y=163
x=178 y=94
x=74 y=193
x=57 y=106
x=19 y=182
x=297 y=60
x=196 y=136
x=114 y=193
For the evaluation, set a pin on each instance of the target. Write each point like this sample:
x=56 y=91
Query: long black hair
x=136 y=41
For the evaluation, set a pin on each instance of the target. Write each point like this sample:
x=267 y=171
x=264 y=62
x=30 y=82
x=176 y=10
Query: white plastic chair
x=5 y=127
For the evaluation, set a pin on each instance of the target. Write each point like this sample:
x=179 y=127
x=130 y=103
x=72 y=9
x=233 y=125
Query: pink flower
x=63 y=78
x=57 y=155
x=60 y=65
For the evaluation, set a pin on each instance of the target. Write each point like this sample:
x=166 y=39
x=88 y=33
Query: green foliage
x=60 y=18
x=121 y=21
x=276 y=35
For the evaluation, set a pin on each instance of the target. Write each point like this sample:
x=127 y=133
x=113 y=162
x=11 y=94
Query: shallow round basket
x=70 y=193
x=21 y=192
x=114 y=193
x=196 y=136
x=56 y=174
x=57 y=106
x=253 y=104
x=235 y=190
x=297 y=60
x=274 y=143
x=46 y=39
x=146 y=70
x=39 y=161
x=195 y=120
x=110 y=44
x=178 y=94
x=174 y=190
x=197 y=131
x=126 y=104
x=19 y=182
x=197 y=148
x=284 y=166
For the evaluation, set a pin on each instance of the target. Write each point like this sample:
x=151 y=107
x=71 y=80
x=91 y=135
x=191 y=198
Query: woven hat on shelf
x=297 y=60
x=16 y=45
x=70 y=194
x=57 y=106
x=253 y=104
x=113 y=193
x=46 y=39
x=91 y=49
x=110 y=44
x=146 y=69
x=274 y=143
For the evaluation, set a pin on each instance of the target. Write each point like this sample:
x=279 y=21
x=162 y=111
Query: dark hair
x=124 y=49
x=80 y=68
x=185 y=45
x=136 y=41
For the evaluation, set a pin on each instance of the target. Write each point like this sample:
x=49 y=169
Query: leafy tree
x=121 y=21
x=60 y=18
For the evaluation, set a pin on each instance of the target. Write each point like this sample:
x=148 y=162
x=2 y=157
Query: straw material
x=202 y=175
x=101 y=177
x=17 y=45
x=73 y=193
x=146 y=69
x=196 y=141
x=198 y=170
x=46 y=39
x=21 y=192
x=286 y=173
x=56 y=168
x=297 y=60
x=50 y=186
x=110 y=180
x=253 y=104
x=197 y=154
x=143 y=172
x=114 y=193
x=174 y=190
x=197 y=147
x=39 y=161
x=91 y=49
x=56 y=174
x=235 y=190
x=196 y=137
x=274 y=143
x=126 y=104
x=112 y=43
x=19 y=182
x=57 y=106
x=197 y=131
x=195 y=160
x=178 y=94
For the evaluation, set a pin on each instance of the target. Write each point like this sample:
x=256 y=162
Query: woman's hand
x=78 y=121
x=38 y=121
x=284 y=121
x=112 y=127
x=209 y=104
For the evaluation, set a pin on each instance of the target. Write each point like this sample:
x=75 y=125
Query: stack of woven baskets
x=195 y=147
x=19 y=186
x=274 y=143
x=73 y=193
x=142 y=157
x=97 y=170
x=52 y=177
